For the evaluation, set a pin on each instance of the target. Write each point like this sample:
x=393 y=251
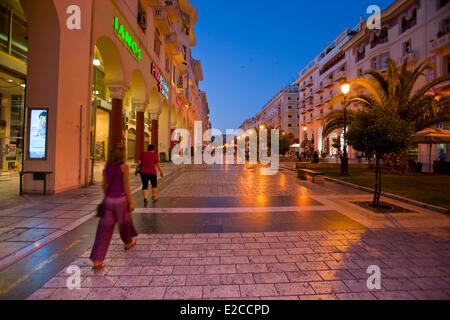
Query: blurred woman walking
x=147 y=168
x=118 y=205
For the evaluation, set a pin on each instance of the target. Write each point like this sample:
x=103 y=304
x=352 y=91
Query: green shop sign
x=126 y=39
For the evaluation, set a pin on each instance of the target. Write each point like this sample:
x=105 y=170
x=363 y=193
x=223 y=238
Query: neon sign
x=162 y=85
x=126 y=39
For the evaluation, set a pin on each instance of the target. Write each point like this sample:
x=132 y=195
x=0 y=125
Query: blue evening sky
x=249 y=49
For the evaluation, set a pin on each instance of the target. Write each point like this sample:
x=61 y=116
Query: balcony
x=340 y=75
x=161 y=20
x=302 y=87
x=172 y=45
x=310 y=106
x=440 y=44
x=302 y=109
x=309 y=82
x=327 y=83
x=308 y=94
x=172 y=11
x=319 y=88
x=319 y=101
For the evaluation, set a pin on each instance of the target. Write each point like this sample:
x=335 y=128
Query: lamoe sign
x=126 y=39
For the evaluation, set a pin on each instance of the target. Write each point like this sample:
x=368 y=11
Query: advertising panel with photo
x=38 y=134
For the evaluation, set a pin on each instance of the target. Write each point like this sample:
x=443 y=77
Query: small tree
x=379 y=131
x=285 y=142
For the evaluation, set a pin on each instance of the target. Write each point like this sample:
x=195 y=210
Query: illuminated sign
x=37 y=148
x=126 y=39
x=162 y=85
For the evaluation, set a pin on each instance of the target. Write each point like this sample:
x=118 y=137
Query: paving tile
x=297 y=289
x=356 y=296
x=291 y=258
x=218 y=292
x=430 y=294
x=258 y=290
x=7 y=248
x=329 y=287
x=149 y=293
x=205 y=261
x=188 y=270
x=303 y=276
x=32 y=235
x=281 y=267
x=249 y=268
x=335 y=275
x=319 y=297
x=124 y=271
x=221 y=269
x=108 y=294
x=263 y=259
x=203 y=280
x=312 y=266
x=66 y=294
x=133 y=281
x=431 y=283
x=99 y=282
x=234 y=260
x=156 y=270
x=40 y=294
x=168 y=281
x=184 y=293
x=394 y=295
x=237 y=278
x=270 y=277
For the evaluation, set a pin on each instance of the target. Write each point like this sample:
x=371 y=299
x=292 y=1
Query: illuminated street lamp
x=261 y=127
x=345 y=89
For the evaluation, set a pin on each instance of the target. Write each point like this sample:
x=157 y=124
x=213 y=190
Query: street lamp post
x=345 y=88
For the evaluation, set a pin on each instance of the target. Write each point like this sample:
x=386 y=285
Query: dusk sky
x=250 y=49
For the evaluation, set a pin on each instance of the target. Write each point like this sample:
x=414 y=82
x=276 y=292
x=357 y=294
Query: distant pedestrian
x=442 y=155
x=359 y=156
x=147 y=168
x=315 y=157
x=118 y=205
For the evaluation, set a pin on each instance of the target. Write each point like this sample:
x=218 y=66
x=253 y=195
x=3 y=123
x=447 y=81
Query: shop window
x=99 y=87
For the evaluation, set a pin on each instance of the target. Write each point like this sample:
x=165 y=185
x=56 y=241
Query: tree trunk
x=377 y=192
x=397 y=162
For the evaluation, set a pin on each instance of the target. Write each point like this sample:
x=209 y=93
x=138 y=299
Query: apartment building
x=417 y=30
x=280 y=112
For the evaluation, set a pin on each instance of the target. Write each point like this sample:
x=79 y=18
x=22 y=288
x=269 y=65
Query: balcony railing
x=327 y=83
x=340 y=75
x=309 y=82
x=440 y=44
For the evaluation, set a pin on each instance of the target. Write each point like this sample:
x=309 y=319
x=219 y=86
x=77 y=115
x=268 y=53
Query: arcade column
x=155 y=129
x=140 y=109
x=117 y=94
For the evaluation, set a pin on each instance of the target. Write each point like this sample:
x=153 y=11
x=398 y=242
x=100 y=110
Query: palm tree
x=395 y=91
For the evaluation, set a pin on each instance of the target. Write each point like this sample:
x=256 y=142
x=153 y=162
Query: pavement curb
x=393 y=196
x=386 y=194
x=31 y=248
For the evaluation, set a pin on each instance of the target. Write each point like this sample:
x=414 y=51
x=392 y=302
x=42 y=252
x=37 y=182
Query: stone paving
x=412 y=249
x=415 y=264
x=30 y=221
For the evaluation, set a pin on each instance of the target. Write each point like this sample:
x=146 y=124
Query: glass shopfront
x=12 y=97
x=103 y=118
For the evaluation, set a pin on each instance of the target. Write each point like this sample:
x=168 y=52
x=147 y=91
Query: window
x=442 y=3
x=445 y=28
x=13 y=41
x=4 y=29
x=360 y=72
x=289 y=116
x=448 y=64
x=384 y=36
x=157 y=44
x=141 y=18
x=407 y=48
x=361 y=54
x=374 y=63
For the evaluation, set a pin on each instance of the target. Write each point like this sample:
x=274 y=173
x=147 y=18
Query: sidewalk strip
x=231 y=210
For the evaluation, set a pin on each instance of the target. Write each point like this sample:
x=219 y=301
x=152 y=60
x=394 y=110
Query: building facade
x=92 y=73
x=417 y=30
x=280 y=112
